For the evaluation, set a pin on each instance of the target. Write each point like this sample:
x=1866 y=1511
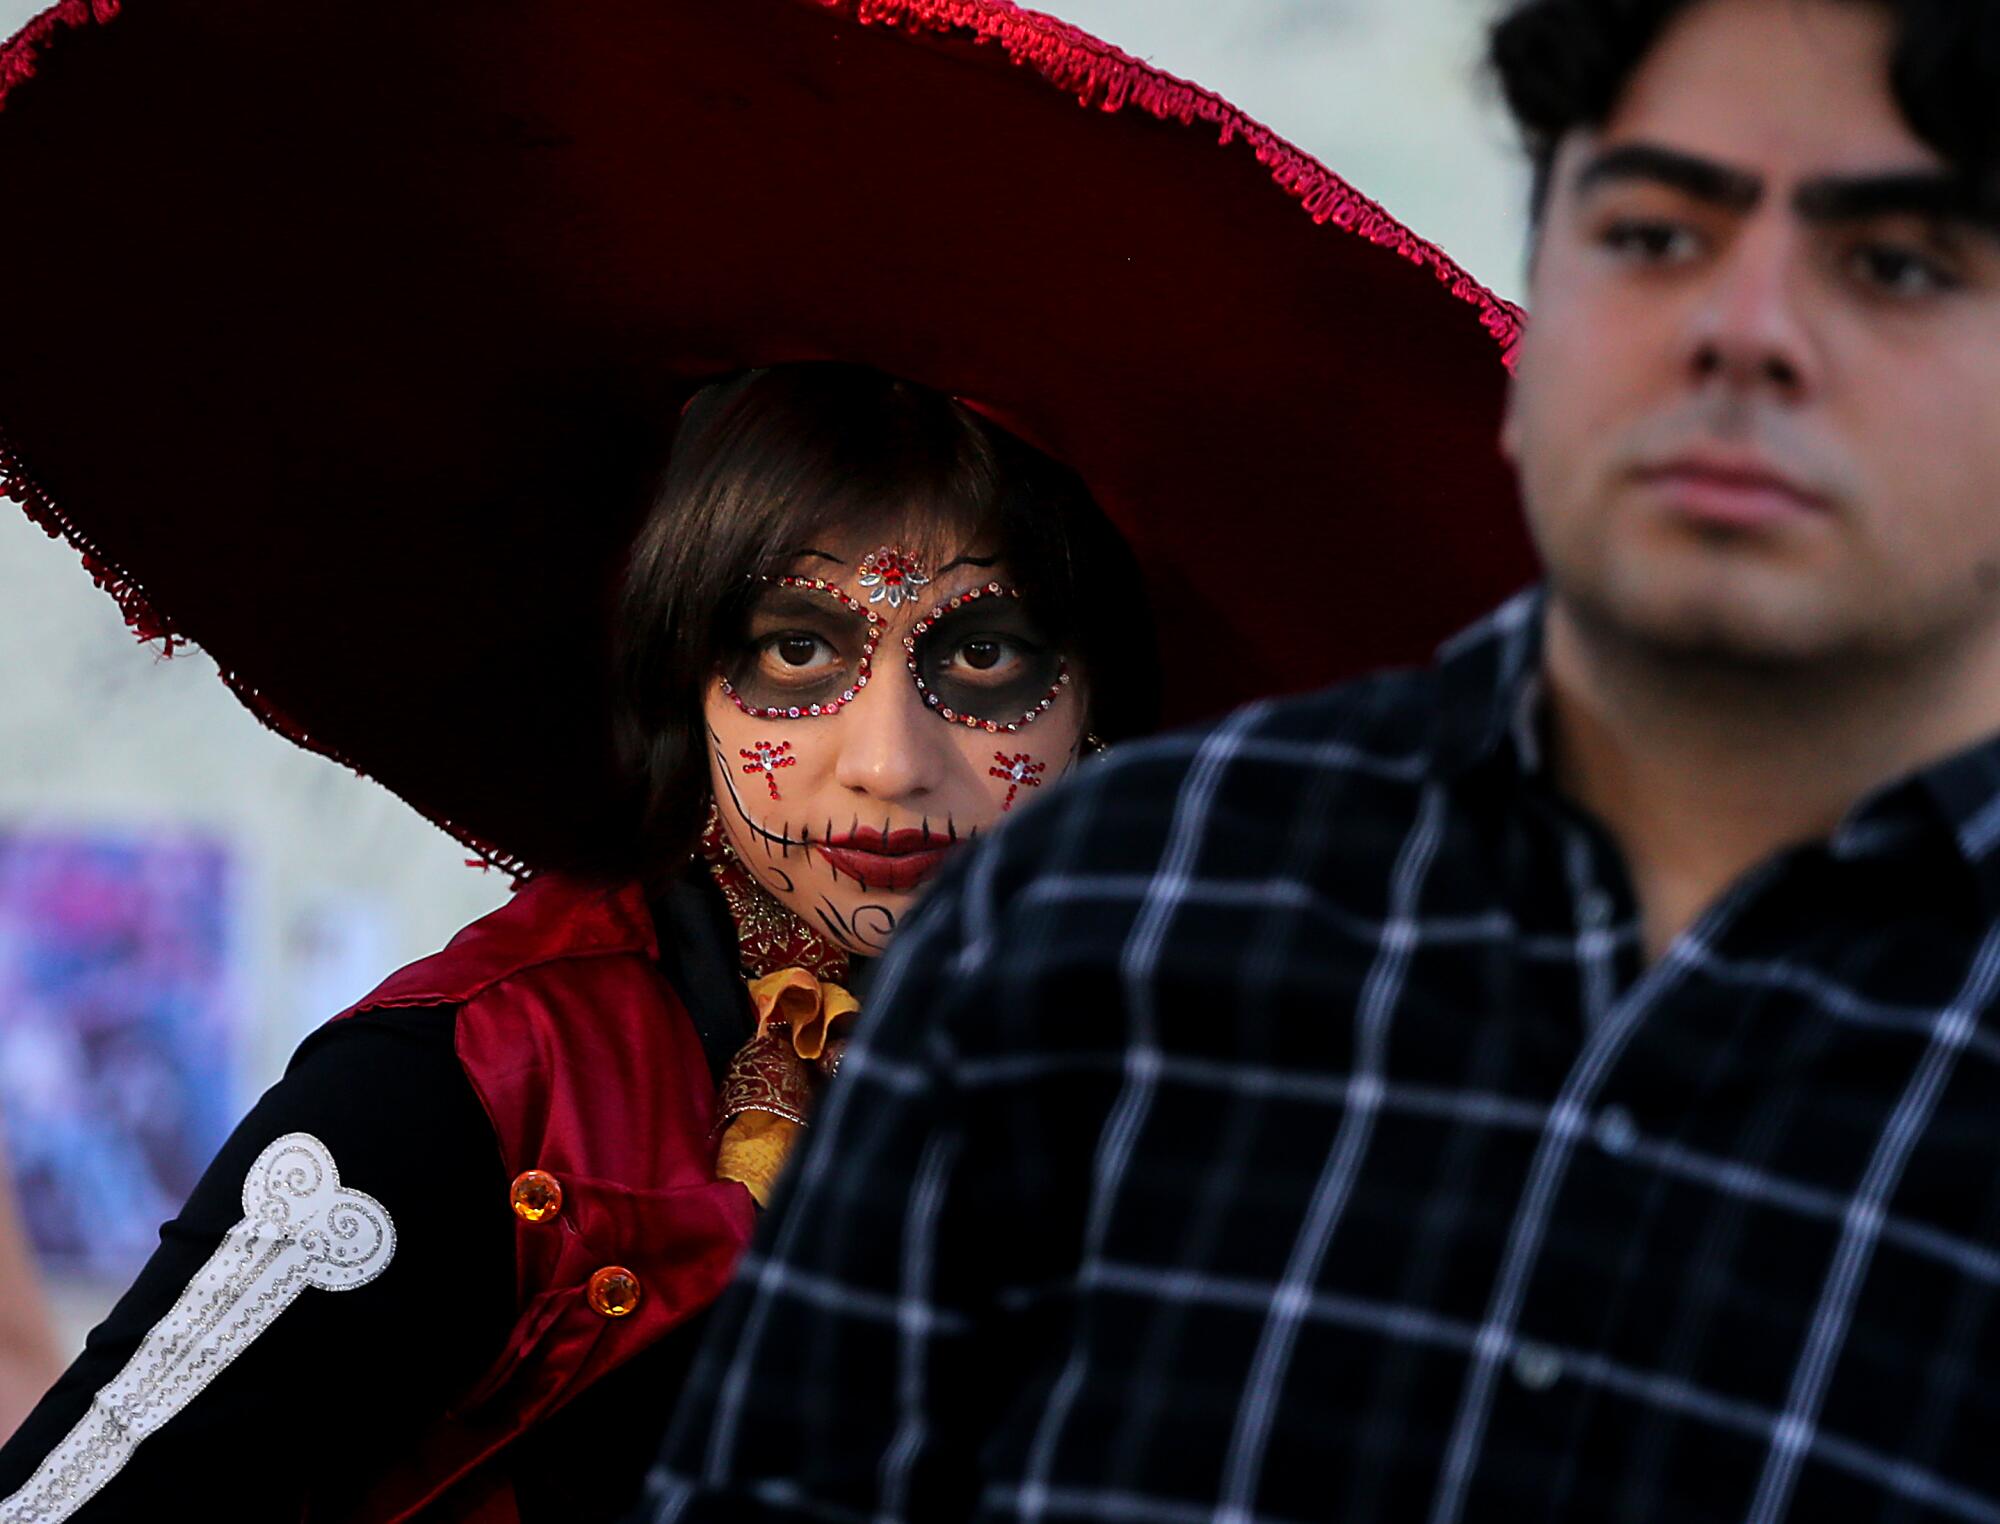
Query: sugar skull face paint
x=867 y=796
x=977 y=663
x=815 y=667
x=892 y=575
x=767 y=757
x=1018 y=771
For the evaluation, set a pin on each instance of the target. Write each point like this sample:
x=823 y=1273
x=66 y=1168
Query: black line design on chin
x=873 y=926
x=869 y=939
x=832 y=919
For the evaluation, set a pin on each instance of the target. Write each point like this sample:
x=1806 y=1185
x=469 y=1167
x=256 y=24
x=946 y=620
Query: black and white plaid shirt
x=1280 y=1123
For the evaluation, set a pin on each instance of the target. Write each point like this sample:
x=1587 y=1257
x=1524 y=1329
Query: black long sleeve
x=335 y=1383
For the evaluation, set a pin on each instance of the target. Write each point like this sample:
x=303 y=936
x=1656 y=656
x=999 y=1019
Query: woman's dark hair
x=773 y=460
x=1563 y=64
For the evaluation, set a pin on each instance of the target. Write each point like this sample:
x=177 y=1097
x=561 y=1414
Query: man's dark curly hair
x=1563 y=64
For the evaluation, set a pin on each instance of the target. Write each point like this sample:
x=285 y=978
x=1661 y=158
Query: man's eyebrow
x=1936 y=194
x=1737 y=190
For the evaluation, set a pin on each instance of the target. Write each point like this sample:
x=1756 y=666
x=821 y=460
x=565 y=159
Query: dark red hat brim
x=342 y=337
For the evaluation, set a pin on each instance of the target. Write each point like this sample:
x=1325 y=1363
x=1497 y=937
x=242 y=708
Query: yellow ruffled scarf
x=802 y=1015
x=771 y=1082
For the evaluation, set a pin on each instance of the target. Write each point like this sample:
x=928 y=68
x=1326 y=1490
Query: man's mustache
x=1742 y=429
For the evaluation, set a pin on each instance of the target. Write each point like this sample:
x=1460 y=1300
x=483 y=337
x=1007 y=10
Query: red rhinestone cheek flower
x=767 y=757
x=1019 y=771
x=892 y=575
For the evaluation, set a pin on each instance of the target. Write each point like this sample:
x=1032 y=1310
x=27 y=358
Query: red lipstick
x=894 y=860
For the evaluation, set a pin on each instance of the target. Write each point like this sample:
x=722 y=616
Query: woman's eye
x=1651 y=241
x=796 y=650
x=1893 y=270
x=988 y=658
x=982 y=655
x=796 y=653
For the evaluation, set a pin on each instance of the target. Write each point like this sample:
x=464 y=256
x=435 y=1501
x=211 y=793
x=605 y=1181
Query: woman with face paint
x=861 y=625
x=718 y=461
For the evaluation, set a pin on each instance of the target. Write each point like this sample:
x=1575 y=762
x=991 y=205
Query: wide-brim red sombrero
x=340 y=335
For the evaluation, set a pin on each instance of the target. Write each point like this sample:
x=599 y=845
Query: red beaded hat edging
x=461 y=310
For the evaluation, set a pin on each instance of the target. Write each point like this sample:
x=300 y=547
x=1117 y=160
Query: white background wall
x=343 y=882
x=1386 y=92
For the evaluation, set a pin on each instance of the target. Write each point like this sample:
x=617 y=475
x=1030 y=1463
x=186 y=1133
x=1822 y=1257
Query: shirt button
x=1537 y=1367
x=1594 y=909
x=613 y=1291
x=1616 y=1131
x=535 y=1195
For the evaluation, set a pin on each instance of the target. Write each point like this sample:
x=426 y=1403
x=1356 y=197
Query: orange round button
x=536 y=1195
x=614 y=1291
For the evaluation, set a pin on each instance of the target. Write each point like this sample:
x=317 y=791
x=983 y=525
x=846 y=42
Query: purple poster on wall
x=118 y=1025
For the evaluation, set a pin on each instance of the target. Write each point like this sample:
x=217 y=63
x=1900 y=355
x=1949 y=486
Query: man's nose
x=1751 y=330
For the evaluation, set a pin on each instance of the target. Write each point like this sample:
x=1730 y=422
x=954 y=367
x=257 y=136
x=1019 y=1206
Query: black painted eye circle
x=983 y=660
x=802 y=651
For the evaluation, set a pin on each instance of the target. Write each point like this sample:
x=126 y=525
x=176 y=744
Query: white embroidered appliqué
x=300 y=1228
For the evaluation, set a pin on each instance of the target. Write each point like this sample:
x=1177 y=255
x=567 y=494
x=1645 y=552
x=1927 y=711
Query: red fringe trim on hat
x=1071 y=59
x=1100 y=75
x=146 y=621
x=1096 y=73
x=149 y=624
x=274 y=718
x=17 y=54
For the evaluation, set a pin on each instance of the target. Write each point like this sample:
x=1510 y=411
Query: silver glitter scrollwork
x=301 y=1228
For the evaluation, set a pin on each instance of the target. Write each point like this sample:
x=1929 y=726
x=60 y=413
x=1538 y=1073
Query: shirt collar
x=1490 y=688
x=1490 y=692
x=1957 y=798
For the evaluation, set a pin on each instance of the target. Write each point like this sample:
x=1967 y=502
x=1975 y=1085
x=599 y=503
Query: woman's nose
x=892 y=748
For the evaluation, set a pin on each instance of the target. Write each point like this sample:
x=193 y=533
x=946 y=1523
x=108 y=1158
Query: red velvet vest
x=589 y=1068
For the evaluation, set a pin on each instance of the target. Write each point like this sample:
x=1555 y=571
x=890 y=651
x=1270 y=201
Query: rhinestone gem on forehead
x=892 y=575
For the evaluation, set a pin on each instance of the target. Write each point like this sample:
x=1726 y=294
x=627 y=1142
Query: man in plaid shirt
x=1561 y=1084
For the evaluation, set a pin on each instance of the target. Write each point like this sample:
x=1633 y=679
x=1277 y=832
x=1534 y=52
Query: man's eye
x=1645 y=240
x=1899 y=272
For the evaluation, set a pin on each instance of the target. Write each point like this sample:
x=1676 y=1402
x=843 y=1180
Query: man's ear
x=1538 y=217
x=1541 y=191
x=1510 y=409
x=1510 y=427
